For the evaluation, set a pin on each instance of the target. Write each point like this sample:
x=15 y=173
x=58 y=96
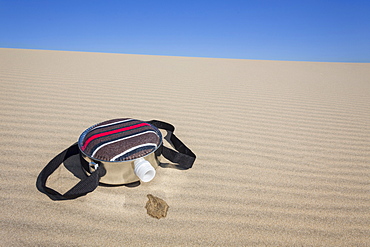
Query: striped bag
x=116 y=152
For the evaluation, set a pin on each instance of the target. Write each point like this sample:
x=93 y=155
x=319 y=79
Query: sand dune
x=283 y=150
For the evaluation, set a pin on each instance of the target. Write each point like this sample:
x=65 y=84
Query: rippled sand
x=283 y=150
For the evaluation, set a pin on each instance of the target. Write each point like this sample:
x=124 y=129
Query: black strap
x=184 y=157
x=86 y=185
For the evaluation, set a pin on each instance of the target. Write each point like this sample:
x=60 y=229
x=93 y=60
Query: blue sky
x=300 y=30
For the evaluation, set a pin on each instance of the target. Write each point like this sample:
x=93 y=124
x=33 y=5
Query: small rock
x=156 y=207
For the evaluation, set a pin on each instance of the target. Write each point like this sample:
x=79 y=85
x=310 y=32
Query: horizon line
x=166 y=55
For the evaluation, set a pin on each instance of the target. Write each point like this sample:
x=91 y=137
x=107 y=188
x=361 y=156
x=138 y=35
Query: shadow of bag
x=118 y=152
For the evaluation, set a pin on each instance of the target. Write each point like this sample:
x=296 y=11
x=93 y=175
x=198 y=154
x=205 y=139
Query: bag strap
x=184 y=157
x=86 y=185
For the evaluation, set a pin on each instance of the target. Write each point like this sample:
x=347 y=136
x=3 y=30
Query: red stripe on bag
x=112 y=132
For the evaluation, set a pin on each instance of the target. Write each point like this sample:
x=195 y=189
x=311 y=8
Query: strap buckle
x=93 y=166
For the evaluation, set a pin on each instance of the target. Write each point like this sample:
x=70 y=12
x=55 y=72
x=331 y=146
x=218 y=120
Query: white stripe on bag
x=131 y=149
x=121 y=139
x=105 y=125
